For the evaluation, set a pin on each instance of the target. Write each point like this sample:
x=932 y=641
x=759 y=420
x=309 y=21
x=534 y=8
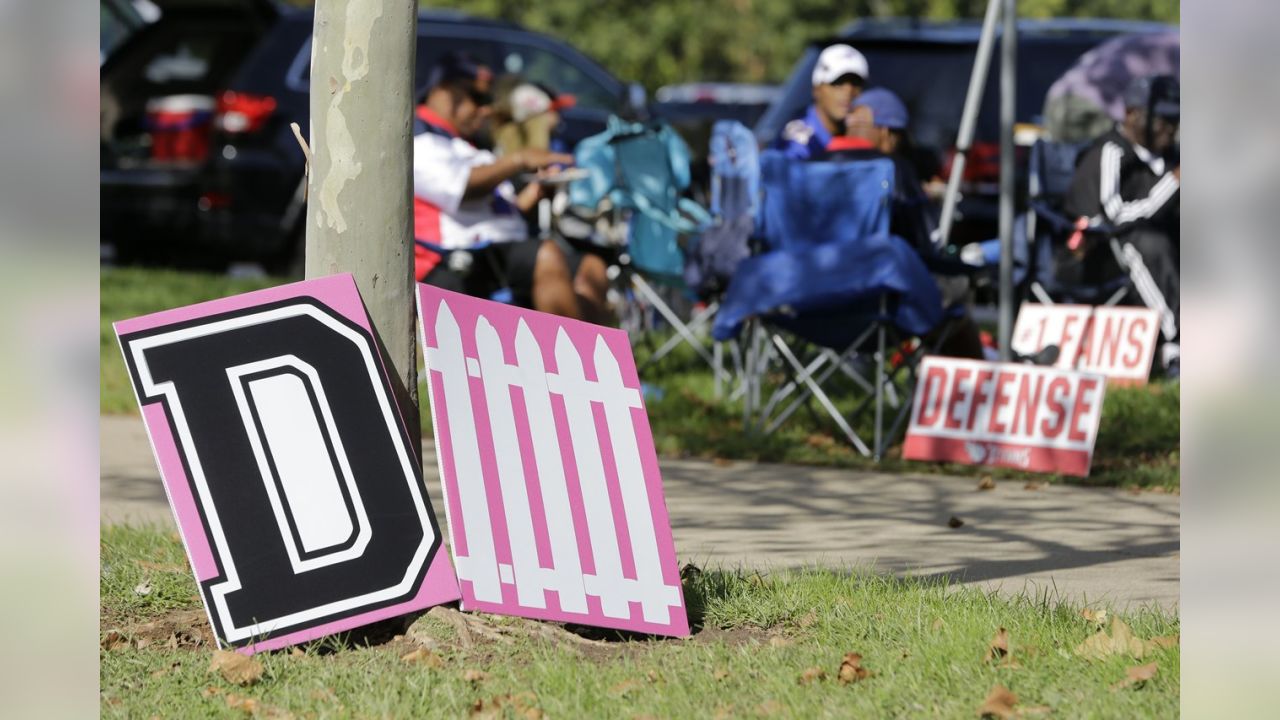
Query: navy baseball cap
x=463 y=69
x=1159 y=93
x=887 y=109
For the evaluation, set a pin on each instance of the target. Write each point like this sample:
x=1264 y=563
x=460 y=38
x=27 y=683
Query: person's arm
x=1119 y=212
x=484 y=178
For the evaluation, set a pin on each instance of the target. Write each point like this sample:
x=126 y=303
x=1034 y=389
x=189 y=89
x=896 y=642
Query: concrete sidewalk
x=1084 y=544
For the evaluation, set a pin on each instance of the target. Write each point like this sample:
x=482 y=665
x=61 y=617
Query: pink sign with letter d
x=552 y=492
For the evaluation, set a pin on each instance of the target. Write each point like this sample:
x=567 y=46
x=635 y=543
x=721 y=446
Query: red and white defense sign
x=1005 y=415
x=1118 y=342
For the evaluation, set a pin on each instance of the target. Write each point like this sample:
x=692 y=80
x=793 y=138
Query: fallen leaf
x=987 y=483
x=1121 y=641
x=999 y=704
x=954 y=522
x=114 y=640
x=142 y=643
x=655 y=678
x=1166 y=641
x=475 y=676
x=1033 y=485
x=297 y=652
x=624 y=688
x=248 y=706
x=524 y=706
x=1136 y=676
x=236 y=668
x=809 y=619
x=812 y=674
x=998 y=648
x=938 y=624
x=211 y=692
x=1098 y=617
x=851 y=669
x=720 y=674
x=722 y=462
x=425 y=657
x=143 y=588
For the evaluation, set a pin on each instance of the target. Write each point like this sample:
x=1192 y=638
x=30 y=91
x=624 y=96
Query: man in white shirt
x=466 y=205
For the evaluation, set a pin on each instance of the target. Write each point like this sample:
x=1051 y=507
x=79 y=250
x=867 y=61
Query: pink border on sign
x=1000 y=448
x=338 y=293
x=584 y=336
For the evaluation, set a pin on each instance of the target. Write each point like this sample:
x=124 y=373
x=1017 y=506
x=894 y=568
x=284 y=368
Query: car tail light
x=243 y=113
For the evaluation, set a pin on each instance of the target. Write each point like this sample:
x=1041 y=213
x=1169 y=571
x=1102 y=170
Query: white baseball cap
x=836 y=61
x=529 y=99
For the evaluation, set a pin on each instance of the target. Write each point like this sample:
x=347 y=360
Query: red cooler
x=180 y=126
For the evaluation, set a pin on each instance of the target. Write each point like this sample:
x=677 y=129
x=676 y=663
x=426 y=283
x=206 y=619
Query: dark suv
x=928 y=65
x=198 y=161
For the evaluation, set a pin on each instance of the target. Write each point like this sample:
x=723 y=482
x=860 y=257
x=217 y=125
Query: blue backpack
x=642 y=167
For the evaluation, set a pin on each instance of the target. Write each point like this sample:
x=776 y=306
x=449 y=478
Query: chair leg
x=880 y=379
x=1041 y=296
x=821 y=396
x=644 y=288
x=717 y=353
x=697 y=323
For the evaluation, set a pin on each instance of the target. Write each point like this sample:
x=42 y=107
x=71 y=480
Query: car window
x=545 y=66
x=429 y=50
x=191 y=56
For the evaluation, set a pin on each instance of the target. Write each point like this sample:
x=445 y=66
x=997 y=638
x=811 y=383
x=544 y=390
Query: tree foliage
x=660 y=42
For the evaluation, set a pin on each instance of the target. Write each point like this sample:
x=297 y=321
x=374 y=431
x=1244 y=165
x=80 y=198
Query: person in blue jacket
x=838 y=79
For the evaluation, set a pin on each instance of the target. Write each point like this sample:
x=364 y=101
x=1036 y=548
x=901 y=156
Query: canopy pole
x=1008 y=186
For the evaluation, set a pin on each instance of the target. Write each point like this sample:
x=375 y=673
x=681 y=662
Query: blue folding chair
x=832 y=278
x=639 y=171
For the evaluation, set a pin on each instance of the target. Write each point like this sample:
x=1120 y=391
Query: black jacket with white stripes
x=1123 y=184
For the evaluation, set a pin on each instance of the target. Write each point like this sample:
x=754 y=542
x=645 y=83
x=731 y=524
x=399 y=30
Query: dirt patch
x=173 y=630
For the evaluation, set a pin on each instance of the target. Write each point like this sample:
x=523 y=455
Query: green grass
x=130 y=292
x=756 y=635
x=1138 y=441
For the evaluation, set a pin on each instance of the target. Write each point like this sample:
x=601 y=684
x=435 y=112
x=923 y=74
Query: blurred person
x=838 y=79
x=1129 y=178
x=526 y=114
x=876 y=127
x=464 y=197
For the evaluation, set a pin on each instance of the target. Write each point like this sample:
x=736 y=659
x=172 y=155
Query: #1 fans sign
x=1005 y=415
x=551 y=482
x=289 y=467
x=1118 y=342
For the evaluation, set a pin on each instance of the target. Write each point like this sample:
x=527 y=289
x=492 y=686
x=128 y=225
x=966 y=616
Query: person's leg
x=1160 y=258
x=539 y=277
